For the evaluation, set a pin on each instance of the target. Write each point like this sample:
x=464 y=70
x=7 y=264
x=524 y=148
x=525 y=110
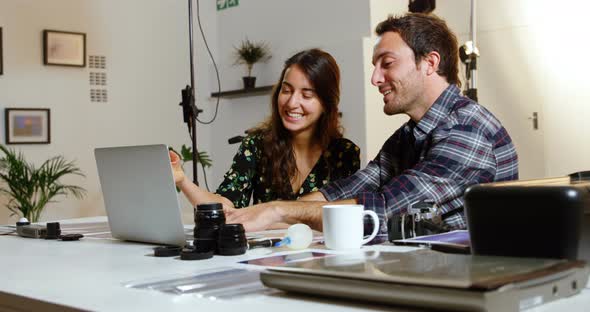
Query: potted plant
x=249 y=53
x=29 y=188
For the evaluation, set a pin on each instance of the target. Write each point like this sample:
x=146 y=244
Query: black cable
x=214 y=65
x=205 y=177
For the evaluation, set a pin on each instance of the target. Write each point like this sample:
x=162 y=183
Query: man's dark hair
x=421 y=6
x=424 y=34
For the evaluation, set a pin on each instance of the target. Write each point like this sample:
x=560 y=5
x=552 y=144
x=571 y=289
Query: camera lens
x=232 y=240
x=209 y=218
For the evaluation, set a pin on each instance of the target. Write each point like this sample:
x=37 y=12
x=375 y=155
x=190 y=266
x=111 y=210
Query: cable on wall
x=214 y=65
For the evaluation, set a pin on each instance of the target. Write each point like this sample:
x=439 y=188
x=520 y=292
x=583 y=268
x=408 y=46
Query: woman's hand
x=177 y=171
x=195 y=194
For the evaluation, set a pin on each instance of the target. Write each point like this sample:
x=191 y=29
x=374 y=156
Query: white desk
x=49 y=275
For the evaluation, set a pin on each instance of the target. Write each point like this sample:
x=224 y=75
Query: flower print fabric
x=244 y=180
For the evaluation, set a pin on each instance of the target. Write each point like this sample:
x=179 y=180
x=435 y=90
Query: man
x=449 y=143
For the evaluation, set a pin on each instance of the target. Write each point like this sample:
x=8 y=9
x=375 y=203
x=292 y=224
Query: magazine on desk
x=454 y=241
x=426 y=278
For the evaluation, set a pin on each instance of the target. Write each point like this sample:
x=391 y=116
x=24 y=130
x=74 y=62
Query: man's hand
x=177 y=171
x=254 y=218
x=280 y=214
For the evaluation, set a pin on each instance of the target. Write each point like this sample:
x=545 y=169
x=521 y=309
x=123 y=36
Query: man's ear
x=432 y=60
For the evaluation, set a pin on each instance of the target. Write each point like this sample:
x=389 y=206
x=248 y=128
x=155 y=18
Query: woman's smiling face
x=298 y=104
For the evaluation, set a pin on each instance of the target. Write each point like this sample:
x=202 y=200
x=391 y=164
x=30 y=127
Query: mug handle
x=375 y=228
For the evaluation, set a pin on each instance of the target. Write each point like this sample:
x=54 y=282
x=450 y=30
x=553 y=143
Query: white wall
x=560 y=70
x=147 y=61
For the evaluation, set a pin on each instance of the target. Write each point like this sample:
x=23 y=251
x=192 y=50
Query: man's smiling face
x=396 y=74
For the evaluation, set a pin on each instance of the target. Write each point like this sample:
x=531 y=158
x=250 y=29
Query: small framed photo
x=27 y=125
x=64 y=48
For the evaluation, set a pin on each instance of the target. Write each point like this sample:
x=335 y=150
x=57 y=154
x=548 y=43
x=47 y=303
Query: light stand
x=468 y=54
x=190 y=111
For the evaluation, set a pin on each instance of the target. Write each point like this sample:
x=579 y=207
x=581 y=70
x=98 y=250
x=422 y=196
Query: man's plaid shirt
x=456 y=144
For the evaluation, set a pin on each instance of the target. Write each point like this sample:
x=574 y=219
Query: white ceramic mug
x=343 y=226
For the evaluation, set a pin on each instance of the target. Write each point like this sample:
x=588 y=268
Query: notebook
x=454 y=241
x=139 y=194
x=430 y=279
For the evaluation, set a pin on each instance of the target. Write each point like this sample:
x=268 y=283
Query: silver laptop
x=139 y=194
x=428 y=279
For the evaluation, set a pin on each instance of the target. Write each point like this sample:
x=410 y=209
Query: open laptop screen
x=139 y=194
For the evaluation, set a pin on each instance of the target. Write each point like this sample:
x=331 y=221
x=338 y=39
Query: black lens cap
x=209 y=206
x=167 y=251
x=188 y=253
x=70 y=237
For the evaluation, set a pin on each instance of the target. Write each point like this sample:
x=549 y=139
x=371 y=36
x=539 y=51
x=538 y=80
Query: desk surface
x=90 y=274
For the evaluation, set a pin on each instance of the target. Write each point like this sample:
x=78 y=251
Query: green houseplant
x=186 y=154
x=29 y=188
x=250 y=53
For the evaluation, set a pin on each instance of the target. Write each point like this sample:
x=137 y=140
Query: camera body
x=50 y=231
x=31 y=230
x=422 y=218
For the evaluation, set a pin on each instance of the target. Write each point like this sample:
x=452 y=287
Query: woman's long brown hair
x=278 y=159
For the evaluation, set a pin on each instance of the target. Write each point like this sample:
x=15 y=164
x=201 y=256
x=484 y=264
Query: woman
x=297 y=150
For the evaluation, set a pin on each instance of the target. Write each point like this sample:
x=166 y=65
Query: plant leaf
x=203 y=157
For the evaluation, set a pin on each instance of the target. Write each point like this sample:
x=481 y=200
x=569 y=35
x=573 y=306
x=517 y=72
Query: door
x=508 y=85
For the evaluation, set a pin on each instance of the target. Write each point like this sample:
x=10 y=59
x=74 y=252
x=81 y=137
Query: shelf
x=243 y=92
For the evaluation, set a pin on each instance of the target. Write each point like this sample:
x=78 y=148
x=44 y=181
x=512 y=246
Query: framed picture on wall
x=1 y=54
x=27 y=125
x=64 y=48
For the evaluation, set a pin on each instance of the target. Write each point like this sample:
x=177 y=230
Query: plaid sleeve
x=458 y=157
x=368 y=179
x=363 y=180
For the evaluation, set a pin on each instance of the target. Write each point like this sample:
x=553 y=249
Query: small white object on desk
x=299 y=236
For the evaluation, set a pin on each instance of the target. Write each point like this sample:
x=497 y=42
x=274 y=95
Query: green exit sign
x=224 y=4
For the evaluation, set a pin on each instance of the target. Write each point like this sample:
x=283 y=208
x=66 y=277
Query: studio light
x=421 y=6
